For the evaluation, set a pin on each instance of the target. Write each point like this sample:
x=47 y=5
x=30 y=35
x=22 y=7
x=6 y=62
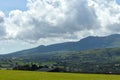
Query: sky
x=7 y=5
x=29 y=23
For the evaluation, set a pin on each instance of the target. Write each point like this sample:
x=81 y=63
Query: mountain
x=105 y=60
x=91 y=54
x=87 y=43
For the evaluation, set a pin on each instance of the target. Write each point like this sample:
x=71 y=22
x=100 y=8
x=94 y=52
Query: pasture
x=29 y=75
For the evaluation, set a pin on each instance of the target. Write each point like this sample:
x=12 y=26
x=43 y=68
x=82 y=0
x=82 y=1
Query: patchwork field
x=27 y=75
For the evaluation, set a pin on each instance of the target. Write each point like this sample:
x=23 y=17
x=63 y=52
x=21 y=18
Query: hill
x=91 y=54
x=87 y=43
x=90 y=61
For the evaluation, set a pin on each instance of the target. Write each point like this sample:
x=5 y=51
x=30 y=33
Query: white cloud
x=2 y=27
x=108 y=14
x=62 y=20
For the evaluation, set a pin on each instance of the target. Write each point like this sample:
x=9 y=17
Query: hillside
x=91 y=61
x=87 y=43
x=91 y=54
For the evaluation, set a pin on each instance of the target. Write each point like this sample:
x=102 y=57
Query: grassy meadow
x=28 y=75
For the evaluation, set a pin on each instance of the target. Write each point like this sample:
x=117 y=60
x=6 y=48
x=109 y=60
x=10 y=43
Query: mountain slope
x=91 y=54
x=92 y=61
x=88 y=43
x=106 y=55
x=91 y=42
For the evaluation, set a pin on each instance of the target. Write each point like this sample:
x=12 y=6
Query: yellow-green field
x=27 y=75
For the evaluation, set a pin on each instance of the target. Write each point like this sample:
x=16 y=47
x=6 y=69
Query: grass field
x=27 y=75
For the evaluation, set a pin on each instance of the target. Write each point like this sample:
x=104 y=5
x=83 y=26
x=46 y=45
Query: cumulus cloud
x=62 y=20
x=108 y=14
x=2 y=27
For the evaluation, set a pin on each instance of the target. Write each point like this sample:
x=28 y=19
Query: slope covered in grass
x=27 y=75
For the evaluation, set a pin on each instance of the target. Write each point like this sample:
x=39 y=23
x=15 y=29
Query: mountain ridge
x=91 y=42
x=91 y=54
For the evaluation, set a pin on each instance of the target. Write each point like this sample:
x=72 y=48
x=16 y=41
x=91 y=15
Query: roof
x=46 y=69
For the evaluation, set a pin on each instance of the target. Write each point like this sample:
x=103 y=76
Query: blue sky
x=7 y=5
x=55 y=21
x=118 y=1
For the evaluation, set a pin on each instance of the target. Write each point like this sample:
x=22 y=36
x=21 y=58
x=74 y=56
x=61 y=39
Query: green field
x=27 y=75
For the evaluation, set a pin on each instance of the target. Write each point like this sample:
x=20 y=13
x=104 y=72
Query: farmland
x=29 y=75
